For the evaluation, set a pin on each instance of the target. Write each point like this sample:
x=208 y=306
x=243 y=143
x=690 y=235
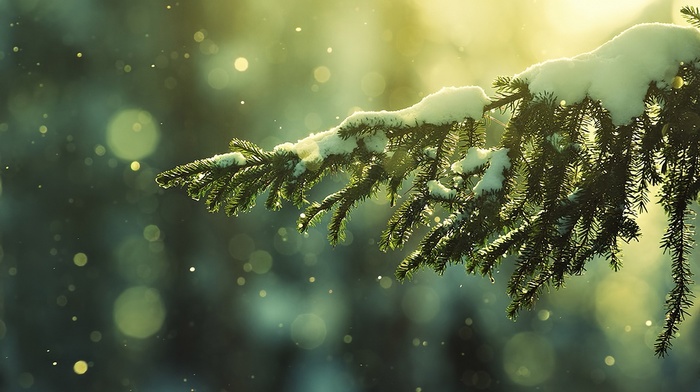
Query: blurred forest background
x=109 y=284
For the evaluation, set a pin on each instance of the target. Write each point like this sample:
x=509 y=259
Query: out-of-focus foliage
x=107 y=283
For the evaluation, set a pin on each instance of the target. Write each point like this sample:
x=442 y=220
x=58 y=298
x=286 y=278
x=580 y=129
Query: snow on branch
x=449 y=105
x=618 y=72
x=588 y=136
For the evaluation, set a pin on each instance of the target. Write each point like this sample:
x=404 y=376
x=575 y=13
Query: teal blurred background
x=110 y=284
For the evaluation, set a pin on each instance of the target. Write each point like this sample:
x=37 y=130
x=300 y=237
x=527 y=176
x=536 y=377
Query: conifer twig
x=564 y=185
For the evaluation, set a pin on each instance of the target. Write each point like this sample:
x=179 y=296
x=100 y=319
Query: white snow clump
x=439 y=191
x=618 y=73
x=449 y=104
x=229 y=159
x=497 y=160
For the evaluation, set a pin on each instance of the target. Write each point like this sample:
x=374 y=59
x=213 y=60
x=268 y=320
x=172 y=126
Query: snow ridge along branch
x=587 y=138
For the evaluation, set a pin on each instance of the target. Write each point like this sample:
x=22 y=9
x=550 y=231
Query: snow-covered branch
x=587 y=137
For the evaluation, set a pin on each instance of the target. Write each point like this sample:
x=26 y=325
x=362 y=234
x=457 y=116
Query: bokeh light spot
x=95 y=336
x=61 y=300
x=80 y=259
x=208 y=47
x=240 y=64
x=528 y=359
x=308 y=331
x=322 y=74
x=151 y=233
x=677 y=82
x=132 y=134
x=100 y=150
x=80 y=367
x=385 y=282
x=139 y=312
x=260 y=262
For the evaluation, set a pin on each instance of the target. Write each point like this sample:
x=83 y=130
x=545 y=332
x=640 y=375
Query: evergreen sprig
x=692 y=15
x=572 y=189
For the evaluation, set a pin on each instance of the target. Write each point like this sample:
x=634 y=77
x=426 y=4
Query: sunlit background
x=110 y=284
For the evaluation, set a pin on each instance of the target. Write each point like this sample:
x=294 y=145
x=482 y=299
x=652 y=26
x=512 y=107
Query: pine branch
x=678 y=193
x=692 y=15
x=403 y=222
x=563 y=186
